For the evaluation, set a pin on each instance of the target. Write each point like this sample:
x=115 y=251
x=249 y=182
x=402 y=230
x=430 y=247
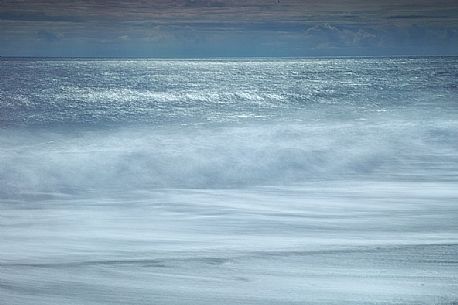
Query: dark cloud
x=32 y=16
x=421 y=17
x=228 y=27
x=230 y=10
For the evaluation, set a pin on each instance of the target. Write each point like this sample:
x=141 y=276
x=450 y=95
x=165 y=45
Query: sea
x=268 y=181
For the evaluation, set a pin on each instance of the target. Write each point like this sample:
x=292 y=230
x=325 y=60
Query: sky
x=222 y=28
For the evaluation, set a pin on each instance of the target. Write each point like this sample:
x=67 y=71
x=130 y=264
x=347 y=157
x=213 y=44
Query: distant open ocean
x=223 y=182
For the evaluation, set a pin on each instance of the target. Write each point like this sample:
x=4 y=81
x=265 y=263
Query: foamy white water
x=229 y=182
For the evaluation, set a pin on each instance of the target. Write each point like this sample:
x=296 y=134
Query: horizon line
x=225 y=57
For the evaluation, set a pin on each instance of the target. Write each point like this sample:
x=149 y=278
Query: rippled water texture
x=311 y=181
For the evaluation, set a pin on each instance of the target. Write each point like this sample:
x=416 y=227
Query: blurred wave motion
x=262 y=181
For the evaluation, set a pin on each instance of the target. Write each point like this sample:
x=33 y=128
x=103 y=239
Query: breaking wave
x=222 y=156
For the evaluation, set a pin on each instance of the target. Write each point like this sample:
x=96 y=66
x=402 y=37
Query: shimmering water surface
x=262 y=181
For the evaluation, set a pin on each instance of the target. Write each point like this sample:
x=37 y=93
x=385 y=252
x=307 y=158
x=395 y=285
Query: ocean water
x=244 y=181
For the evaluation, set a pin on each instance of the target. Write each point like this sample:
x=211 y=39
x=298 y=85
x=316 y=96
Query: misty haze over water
x=261 y=181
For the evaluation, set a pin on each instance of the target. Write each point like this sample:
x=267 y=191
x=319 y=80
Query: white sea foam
x=225 y=156
x=229 y=182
